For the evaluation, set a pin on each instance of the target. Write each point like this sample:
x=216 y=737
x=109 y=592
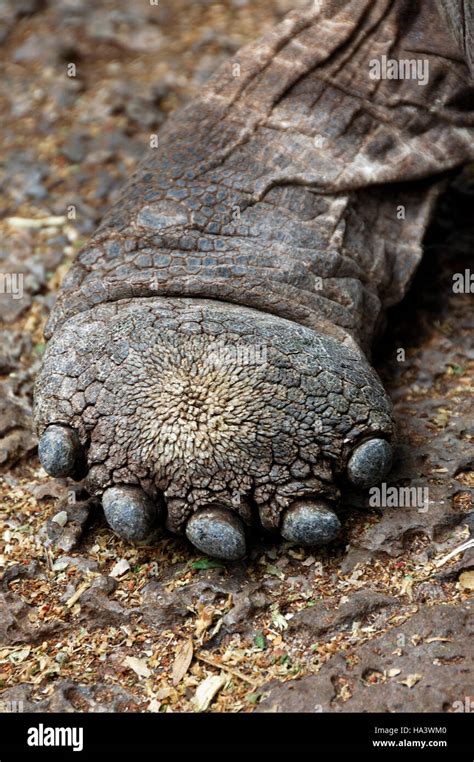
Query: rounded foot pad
x=60 y=451
x=369 y=463
x=130 y=513
x=310 y=522
x=217 y=532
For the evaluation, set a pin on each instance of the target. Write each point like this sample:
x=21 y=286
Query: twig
x=43 y=222
x=459 y=549
x=225 y=668
x=75 y=596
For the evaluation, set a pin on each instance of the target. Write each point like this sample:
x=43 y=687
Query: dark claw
x=61 y=453
x=369 y=463
x=131 y=513
x=217 y=532
x=310 y=522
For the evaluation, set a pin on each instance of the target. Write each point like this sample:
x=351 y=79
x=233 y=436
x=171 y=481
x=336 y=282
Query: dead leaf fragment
x=18 y=656
x=411 y=680
x=77 y=594
x=139 y=666
x=466 y=580
x=182 y=661
x=207 y=690
x=407 y=587
x=120 y=568
x=278 y=619
x=204 y=621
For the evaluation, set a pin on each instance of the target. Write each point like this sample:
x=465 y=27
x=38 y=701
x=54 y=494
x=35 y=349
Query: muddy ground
x=381 y=621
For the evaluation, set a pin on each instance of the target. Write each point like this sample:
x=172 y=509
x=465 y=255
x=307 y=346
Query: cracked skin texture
x=151 y=388
x=266 y=222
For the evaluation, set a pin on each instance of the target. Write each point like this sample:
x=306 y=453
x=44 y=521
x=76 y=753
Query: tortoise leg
x=219 y=416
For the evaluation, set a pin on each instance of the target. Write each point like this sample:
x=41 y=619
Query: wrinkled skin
x=208 y=348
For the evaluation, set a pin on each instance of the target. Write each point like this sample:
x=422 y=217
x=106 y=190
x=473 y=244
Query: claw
x=369 y=463
x=131 y=513
x=310 y=522
x=217 y=532
x=61 y=453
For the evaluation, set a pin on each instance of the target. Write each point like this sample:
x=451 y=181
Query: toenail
x=130 y=512
x=217 y=532
x=369 y=463
x=310 y=522
x=60 y=451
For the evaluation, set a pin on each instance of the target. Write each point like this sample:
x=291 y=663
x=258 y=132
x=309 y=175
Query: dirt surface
x=381 y=621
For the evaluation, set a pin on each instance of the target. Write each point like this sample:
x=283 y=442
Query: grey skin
x=209 y=348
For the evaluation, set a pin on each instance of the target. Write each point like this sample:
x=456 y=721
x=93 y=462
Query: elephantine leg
x=211 y=417
x=207 y=361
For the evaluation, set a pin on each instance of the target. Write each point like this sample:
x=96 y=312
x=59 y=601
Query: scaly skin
x=208 y=345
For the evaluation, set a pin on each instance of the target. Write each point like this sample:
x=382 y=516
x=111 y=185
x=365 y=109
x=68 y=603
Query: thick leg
x=294 y=196
x=220 y=411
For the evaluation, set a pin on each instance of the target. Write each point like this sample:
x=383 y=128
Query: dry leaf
x=406 y=587
x=274 y=571
x=163 y=693
x=77 y=594
x=466 y=580
x=278 y=619
x=411 y=680
x=139 y=666
x=183 y=658
x=207 y=690
x=393 y=672
x=120 y=568
x=18 y=656
x=206 y=614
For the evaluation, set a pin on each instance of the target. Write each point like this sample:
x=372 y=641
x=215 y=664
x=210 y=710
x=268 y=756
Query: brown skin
x=266 y=225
